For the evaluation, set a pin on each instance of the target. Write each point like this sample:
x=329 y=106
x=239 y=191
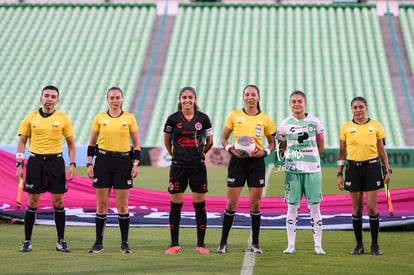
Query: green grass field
x=149 y=243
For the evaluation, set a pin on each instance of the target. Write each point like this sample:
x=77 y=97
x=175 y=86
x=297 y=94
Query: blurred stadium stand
x=331 y=52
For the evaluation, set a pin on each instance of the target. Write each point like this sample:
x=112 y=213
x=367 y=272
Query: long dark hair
x=359 y=98
x=192 y=90
x=258 y=93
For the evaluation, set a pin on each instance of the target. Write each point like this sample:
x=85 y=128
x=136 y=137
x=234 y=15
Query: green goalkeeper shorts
x=298 y=185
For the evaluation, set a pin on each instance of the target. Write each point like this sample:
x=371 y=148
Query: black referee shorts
x=180 y=177
x=45 y=173
x=113 y=172
x=251 y=170
x=363 y=176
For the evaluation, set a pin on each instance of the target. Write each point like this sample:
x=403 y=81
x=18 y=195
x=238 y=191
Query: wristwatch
x=389 y=171
x=19 y=163
x=339 y=174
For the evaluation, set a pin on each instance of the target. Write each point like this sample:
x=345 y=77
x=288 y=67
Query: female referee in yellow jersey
x=115 y=164
x=249 y=121
x=362 y=140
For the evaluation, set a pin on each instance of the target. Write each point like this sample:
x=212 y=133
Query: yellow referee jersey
x=361 y=140
x=45 y=133
x=255 y=126
x=114 y=132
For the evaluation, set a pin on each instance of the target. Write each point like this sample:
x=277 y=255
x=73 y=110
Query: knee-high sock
x=175 y=217
x=100 y=222
x=316 y=222
x=60 y=220
x=255 y=218
x=357 y=226
x=123 y=220
x=291 y=223
x=201 y=220
x=29 y=220
x=227 y=224
x=374 y=227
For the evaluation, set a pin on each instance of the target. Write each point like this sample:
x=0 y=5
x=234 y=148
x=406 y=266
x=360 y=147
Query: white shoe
x=319 y=251
x=289 y=250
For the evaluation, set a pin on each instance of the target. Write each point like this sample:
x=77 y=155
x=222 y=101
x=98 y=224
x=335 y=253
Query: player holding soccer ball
x=301 y=139
x=249 y=121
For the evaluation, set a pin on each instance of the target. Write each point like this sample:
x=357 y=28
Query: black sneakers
x=125 y=248
x=96 y=248
x=62 y=246
x=26 y=247
x=375 y=250
x=358 y=250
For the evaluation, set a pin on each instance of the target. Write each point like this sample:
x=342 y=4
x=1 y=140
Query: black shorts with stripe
x=241 y=170
x=112 y=171
x=181 y=177
x=363 y=176
x=45 y=173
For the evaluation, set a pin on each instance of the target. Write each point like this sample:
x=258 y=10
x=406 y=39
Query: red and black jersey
x=188 y=137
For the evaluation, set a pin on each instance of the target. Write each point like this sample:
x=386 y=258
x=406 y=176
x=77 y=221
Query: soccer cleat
x=358 y=250
x=173 y=249
x=26 y=247
x=222 y=249
x=96 y=248
x=255 y=249
x=375 y=250
x=202 y=250
x=289 y=250
x=125 y=248
x=319 y=251
x=62 y=246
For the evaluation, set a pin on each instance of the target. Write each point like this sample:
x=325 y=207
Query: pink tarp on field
x=81 y=195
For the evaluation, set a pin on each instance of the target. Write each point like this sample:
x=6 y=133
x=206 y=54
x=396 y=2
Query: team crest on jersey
x=311 y=128
x=258 y=131
x=259 y=122
x=35 y=123
x=56 y=123
x=198 y=126
x=371 y=129
x=124 y=123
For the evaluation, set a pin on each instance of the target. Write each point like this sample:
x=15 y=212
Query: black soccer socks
x=175 y=217
x=201 y=219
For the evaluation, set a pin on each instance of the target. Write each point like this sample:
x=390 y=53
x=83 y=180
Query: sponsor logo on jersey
x=198 y=126
x=56 y=123
x=240 y=119
x=187 y=142
x=105 y=121
x=371 y=129
x=180 y=125
x=35 y=123
x=352 y=130
x=124 y=123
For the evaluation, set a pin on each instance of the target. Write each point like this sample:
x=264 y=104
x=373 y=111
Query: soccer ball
x=245 y=146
